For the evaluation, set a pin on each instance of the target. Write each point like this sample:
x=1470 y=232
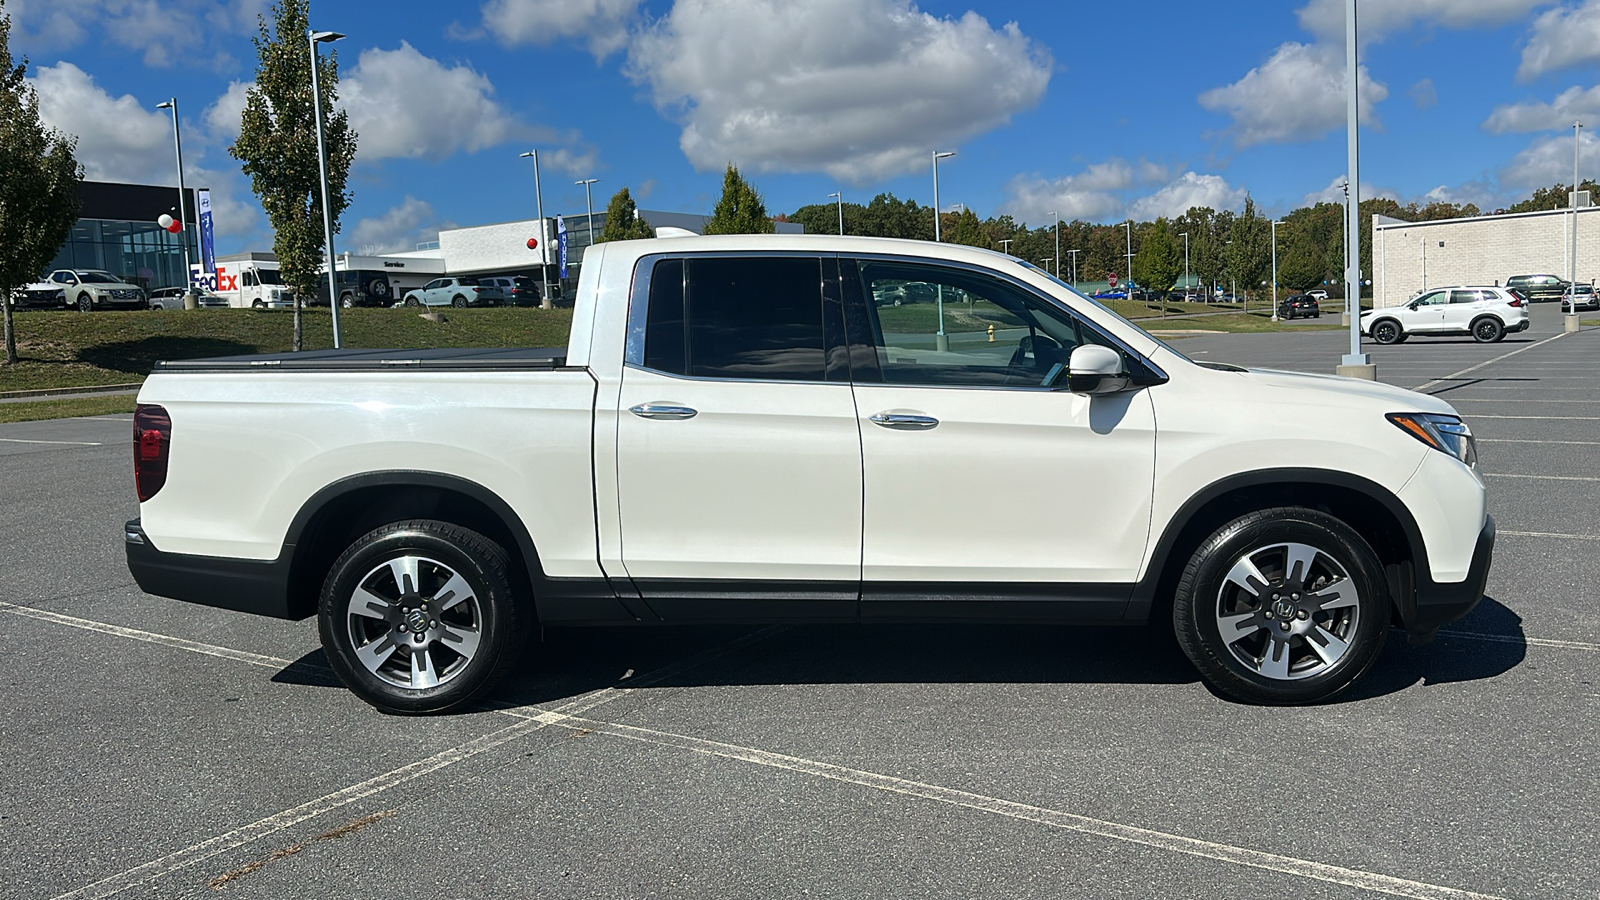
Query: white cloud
x=602 y=23
x=1188 y=191
x=1561 y=38
x=1334 y=192
x=407 y=105
x=1424 y=94
x=1376 y=18
x=401 y=228
x=223 y=116
x=1549 y=160
x=1092 y=194
x=1571 y=104
x=121 y=139
x=860 y=89
x=1297 y=95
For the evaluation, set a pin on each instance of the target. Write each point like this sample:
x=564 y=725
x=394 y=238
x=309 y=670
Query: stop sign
x=1113 y=280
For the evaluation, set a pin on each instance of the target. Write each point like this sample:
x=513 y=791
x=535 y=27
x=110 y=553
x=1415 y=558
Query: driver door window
x=1428 y=312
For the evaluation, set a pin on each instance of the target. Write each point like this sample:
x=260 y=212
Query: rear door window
x=737 y=317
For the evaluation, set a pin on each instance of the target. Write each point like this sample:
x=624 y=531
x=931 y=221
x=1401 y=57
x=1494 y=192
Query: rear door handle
x=904 y=421
x=663 y=411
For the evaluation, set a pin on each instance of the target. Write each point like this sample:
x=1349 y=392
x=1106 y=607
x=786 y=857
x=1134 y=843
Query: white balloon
x=165 y=221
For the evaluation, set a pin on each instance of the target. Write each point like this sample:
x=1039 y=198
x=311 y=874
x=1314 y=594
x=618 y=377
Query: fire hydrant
x=991 y=334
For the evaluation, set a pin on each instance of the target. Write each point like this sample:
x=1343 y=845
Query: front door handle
x=904 y=421
x=663 y=411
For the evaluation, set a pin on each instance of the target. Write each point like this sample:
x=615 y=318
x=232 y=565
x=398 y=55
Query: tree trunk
x=297 y=321
x=11 y=335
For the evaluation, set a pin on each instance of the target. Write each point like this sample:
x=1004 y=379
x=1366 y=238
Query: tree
x=740 y=210
x=39 y=178
x=1249 y=254
x=623 y=222
x=969 y=231
x=277 y=146
x=1300 y=265
x=887 y=216
x=1159 y=262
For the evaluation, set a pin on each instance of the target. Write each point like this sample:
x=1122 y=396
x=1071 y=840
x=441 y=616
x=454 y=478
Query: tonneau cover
x=357 y=360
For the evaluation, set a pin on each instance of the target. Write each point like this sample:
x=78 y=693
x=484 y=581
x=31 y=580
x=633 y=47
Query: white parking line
x=1540 y=418
x=1543 y=477
x=1160 y=840
x=1510 y=639
x=1551 y=534
x=1482 y=365
x=1454 y=399
x=1528 y=441
x=149 y=637
x=238 y=837
x=75 y=443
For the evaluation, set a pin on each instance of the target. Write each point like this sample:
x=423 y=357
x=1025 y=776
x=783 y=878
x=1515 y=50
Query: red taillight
x=152 y=438
x=1516 y=302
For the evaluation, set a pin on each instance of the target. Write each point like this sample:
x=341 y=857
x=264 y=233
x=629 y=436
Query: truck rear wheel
x=420 y=616
x=1282 y=606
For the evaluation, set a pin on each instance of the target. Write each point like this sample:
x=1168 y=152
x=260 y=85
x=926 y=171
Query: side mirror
x=1093 y=369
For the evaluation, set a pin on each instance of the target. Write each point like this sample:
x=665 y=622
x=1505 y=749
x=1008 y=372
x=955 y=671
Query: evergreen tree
x=39 y=178
x=966 y=229
x=740 y=210
x=277 y=146
x=623 y=222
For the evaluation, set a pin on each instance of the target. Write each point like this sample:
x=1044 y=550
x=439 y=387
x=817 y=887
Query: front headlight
x=1447 y=434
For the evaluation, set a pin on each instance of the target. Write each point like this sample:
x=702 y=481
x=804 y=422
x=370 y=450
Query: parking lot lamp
x=839 y=196
x=1055 y=217
x=538 y=199
x=1356 y=364
x=1074 y=254
x=588 y=200
x=1275 y=270
x=1128 y=228
x=1005 y=246
x=938 y=155
x=325 y=37
x=1186 y=284
x=189 y=301
x=1572 y=258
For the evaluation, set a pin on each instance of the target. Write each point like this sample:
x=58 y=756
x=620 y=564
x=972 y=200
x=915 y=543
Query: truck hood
x=1350 y=392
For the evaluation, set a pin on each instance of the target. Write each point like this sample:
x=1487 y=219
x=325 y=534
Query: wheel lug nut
x=1294 y=596
x=417 y=637
x=403 y=628
x=1268 y=614
x=1277 y=597
x=1304 y=615
x=432 y=624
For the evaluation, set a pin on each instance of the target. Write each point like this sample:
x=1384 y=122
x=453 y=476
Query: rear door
x=1465 y=306
x=738 y=454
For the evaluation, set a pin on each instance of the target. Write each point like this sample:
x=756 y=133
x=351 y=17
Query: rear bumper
x=1437 y=604
x=257 y=587
x=1519 y=326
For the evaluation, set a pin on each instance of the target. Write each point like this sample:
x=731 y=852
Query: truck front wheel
x=1282 y=606
x=419 y=617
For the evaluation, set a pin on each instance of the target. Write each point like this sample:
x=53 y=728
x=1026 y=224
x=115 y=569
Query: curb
x=47 y=393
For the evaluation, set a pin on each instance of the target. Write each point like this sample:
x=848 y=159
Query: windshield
x=1103 y=308
x=98 y=278
x=269 y=276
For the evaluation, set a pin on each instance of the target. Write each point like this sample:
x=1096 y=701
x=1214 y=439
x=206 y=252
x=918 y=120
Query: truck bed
x=364 y=360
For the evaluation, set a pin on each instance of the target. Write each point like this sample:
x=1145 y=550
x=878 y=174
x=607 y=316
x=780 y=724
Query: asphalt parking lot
x=157 y=749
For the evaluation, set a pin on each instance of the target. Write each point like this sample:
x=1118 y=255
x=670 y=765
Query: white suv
x=1486 y=313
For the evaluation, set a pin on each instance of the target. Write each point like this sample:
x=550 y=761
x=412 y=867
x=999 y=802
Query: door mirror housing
x=1093 y=369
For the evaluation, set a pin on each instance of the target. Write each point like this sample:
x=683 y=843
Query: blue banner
x=561 y=241
x=208 y=242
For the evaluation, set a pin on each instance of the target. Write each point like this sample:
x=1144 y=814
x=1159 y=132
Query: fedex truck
x=248 y=280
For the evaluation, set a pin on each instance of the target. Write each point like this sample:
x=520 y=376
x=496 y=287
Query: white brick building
x=1408 y=256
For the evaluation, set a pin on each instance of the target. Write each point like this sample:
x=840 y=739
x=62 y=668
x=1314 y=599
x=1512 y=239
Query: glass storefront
x=141 y=253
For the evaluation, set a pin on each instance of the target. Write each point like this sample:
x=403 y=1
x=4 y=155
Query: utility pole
x=1275 y=225
x=1356 y=364
x=544 y=251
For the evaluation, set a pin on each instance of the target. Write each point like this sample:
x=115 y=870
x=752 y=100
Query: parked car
x=89 y=289
x=1112 y=294
x=731 y=436
x=519 y=290
x=1580 y=296
x=39 y=295
x=1538 y=288
x=1486 y=313
x=358 y=287
x=172 y=298
x=457 y=292
x=1297 y=306
x=1318 y=294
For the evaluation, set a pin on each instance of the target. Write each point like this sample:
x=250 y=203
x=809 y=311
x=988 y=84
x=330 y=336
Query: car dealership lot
x=155 y=746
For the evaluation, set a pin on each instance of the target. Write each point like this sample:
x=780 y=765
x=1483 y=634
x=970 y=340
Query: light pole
x=189 y=301
x=544 y=250
x=839 y=196
x=1356 y=364
x=1074 y=266
x=1047 y=260
x=1186 y=283
x=938 y=155
x=588 y=202
x=1572 y=258
x=1056 y=218
x=315 y=38
x=1128 y=227
x=1005 y=246
x=941 y=341
x=1275 y=270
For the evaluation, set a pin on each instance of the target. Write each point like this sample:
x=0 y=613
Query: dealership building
x=1408 y=257
x=117 y=232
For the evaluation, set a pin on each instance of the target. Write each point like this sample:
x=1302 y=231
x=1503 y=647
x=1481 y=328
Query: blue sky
x=1094 y=110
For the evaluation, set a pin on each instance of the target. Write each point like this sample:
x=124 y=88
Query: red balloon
x=175 y=227
x=533 y=243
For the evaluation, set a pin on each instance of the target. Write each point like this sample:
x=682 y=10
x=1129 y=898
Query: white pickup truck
x=737 y=432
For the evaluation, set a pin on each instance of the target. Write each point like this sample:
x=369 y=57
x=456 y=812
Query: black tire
x=413 y=302
x=1488 y=330
x=1387 y=331
x=347 y=301
x=259 y=304
x=459 y=302
x=85 y=303
x=1334 y=556
x=388 y=672
x=1317 y=314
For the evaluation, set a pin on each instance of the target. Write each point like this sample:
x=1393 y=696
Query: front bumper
x=1434 y=604
x=257 y=587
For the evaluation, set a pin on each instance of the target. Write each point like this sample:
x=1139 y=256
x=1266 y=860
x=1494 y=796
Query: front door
x=1426 y=313
x=738 y=455
x=988 y=494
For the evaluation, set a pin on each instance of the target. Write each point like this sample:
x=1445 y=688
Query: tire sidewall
x=1389 y=326
x=481 y=562
x=1194 y=607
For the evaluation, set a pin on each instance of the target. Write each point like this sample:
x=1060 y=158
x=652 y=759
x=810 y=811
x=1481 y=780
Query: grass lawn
x=73 y=349
x=62 y=409
x=1239 y=323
